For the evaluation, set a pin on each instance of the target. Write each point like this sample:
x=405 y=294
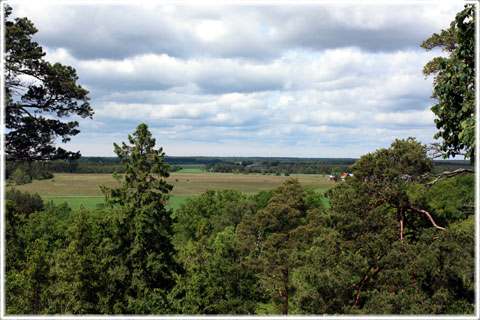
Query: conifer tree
x=141 y=244
x=273 y=237
x=38 y=96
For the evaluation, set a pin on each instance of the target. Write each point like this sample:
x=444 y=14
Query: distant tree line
x=299 y=168
x=21 y=172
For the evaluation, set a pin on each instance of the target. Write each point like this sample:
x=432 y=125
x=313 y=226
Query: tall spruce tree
x=141 y=245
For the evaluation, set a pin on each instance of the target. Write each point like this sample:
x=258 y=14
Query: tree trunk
x=285 y=301
x=285 y=292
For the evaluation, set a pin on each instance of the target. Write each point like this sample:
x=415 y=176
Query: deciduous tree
x=216 y=280
x=454 y=84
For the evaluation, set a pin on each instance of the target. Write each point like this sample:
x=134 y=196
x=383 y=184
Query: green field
x=92 y=202
x=84 y=188
x=74 y=202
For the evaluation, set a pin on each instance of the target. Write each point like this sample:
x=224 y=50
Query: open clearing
x=85 y=188
x=184 y=184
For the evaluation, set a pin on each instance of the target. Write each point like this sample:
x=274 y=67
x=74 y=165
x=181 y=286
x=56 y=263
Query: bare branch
x=444 y=175
x=435 y=151
x=402 y=222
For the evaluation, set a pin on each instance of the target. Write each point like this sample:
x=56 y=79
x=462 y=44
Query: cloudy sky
x=316 y=79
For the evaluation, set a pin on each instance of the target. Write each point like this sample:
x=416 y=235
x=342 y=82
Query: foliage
x=293 y=166
x=322 y=166
x=377 y=252
x=272 y=238
x=274 y=252
x=31 y=243
x=22 y=172
x=380 y=179
x=209 y=213
x=216 y=281
x=37 y=95
x=25 y=203
x=451 y=199
x=141 y=246
x=77 y=281
x=454 y=84
x=15 y=244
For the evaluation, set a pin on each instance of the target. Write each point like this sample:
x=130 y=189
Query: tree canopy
x=454 y=84
x=37 y=95
x=272 y=238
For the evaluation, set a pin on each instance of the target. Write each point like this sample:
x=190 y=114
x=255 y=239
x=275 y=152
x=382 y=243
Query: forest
x=392 y=242
x=398 y=237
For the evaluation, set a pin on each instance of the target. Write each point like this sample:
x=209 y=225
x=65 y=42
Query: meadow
x=85 y=188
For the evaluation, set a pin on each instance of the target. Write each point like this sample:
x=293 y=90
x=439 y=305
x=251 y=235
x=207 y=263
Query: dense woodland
x=390 y=243
x=398 y=238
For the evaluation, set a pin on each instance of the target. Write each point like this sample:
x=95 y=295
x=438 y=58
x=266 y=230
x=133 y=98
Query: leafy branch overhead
x=37 y=95
x=454 y=85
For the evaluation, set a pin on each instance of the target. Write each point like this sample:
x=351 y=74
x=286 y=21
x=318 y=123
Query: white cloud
x=411 y=118
x=210 y=30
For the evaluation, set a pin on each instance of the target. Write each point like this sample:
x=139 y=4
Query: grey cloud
x=214 y=82
x=117 y=32
x=110 y=32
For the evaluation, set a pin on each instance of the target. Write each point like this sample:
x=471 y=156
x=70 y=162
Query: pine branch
x=412 y=208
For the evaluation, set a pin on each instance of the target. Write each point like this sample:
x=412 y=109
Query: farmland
x=84 y=188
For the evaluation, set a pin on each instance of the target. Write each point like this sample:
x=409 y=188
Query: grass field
x=84 y=188
x=92 y=202
x=74 y=202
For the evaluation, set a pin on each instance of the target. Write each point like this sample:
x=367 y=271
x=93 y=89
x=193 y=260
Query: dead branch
x=435 y=151
x=401 y=217
x=444 y=175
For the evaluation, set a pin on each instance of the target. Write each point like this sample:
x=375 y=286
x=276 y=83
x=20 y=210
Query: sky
x=311 y=79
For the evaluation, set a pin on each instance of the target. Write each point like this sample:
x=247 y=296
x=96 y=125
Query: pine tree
x=273 y=237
